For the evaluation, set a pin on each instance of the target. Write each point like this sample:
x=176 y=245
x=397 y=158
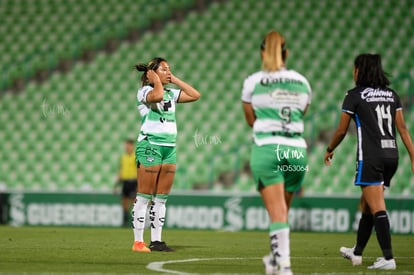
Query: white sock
x=138 y=216
x=157 y=218
x=280 y=246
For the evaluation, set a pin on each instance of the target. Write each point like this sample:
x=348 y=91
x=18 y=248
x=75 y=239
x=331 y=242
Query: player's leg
x=374 y=196
x=149 y=165
x=366 y=223
x=269 y=177
x=365 y=226
x=274 y=200
x=296 y=168
x=132 y=193
x=158 y=208
x=293 y=172
x=288 y=199
x=129 y=191
x=125 y=210
x=147 y=177
x=124 y=203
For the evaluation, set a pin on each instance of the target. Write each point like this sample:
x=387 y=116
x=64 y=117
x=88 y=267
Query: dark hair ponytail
x=370 y=72
x=152 y=65
x=141 y=67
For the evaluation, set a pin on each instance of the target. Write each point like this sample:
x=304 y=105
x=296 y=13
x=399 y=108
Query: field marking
x=159 y=266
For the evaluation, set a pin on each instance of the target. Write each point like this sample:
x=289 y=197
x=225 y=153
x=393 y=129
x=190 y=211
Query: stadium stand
x=66 y=133
x=37 y=35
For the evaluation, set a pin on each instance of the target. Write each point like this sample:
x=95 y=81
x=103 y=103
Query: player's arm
x=156 y=94
x=405 y=135
x=188 y=92
x=249 y=113
x=338 y=136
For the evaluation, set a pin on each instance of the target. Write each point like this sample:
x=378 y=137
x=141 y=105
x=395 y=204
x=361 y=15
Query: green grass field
x=104 y=250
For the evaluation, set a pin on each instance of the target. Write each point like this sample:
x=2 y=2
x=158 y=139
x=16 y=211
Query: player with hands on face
x=155 y=148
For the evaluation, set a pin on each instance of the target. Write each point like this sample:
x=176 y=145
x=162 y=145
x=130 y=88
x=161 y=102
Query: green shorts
x=276 y=163
x=149 y=154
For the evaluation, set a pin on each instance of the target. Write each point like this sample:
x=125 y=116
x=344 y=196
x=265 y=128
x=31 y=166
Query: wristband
x=329 y=150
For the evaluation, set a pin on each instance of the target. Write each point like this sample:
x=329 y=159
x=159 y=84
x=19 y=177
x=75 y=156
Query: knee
x=279 y=213
x=363 y=206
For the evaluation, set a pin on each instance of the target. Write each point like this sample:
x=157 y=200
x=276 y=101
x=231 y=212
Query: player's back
x=373 y=110
x=279 y=99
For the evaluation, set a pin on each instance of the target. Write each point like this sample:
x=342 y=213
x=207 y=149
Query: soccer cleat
x=284 y=268
x=140 y=247
x=272 y=268
x=160 y=246
x=382 y=263
x=348 y=253
x=269 y=264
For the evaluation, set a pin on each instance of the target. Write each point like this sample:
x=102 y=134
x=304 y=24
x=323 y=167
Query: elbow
x=197 y=96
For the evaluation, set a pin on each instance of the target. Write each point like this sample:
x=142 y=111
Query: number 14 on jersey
x=384 y=114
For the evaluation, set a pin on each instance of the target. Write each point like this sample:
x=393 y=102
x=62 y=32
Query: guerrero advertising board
x=64 y=210
x=192 y=211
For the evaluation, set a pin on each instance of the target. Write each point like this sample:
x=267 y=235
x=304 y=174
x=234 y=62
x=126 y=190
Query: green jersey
x=279 y=100
x=158 y=123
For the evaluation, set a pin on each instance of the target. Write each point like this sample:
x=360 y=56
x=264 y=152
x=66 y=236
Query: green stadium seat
x=215 y=50
x=70 y=28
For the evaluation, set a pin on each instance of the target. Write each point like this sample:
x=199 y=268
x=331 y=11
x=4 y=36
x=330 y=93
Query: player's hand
x=153 y=77
x=173 y=79
x=327 y=158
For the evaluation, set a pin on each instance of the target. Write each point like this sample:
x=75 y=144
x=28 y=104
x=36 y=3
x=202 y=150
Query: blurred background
x=68 y=86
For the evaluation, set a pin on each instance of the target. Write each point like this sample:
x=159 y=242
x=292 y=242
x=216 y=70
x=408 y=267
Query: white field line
x=159 y=266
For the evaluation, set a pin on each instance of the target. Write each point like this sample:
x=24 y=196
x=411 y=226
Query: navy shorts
x=129 y=188
x=375 y=171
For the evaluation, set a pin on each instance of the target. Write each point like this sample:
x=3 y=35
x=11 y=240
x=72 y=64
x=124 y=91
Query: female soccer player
x=155 y=149
x=376 y=110
x=275 y=100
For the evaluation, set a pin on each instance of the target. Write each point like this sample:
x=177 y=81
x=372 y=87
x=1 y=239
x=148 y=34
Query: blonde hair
x=273 y=51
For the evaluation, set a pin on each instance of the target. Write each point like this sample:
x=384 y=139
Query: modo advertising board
x=202 y=211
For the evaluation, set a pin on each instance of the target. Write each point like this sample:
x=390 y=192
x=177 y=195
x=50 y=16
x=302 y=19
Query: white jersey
x=278 y=99
x=158 y=123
